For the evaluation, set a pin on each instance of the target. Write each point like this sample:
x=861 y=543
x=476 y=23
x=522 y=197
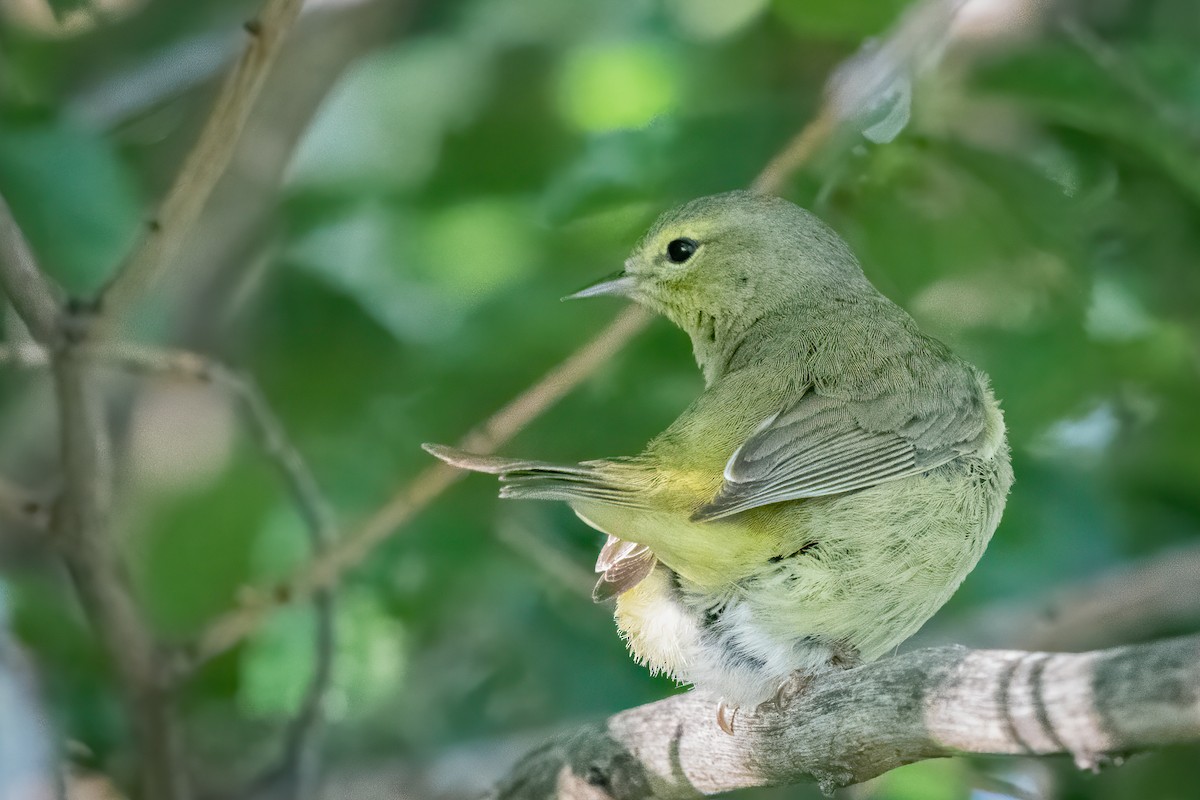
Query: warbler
x=829 y=490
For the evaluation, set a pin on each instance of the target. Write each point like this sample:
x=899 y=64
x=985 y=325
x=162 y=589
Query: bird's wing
x=821 y=446
x=612 y=481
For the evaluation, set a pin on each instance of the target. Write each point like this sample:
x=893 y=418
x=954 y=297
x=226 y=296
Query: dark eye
x=680 y=250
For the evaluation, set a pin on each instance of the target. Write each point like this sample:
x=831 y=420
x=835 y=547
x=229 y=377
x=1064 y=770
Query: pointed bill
x=619 y=283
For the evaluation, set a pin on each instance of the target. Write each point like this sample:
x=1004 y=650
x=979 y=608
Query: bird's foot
x=844 y=656
x=795 y=685
x=726 y=716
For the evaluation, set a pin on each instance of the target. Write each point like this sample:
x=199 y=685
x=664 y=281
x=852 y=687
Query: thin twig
x=83 y=534
x=28 y=289
x=302 y=738
x=232 y=627
x=301 y=743
x=796 y=153
x=320 y=521
x=206 y=162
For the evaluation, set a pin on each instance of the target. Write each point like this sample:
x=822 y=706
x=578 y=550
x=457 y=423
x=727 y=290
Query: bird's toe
x=726 y=715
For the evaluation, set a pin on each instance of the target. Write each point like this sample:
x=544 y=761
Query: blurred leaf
x=1065 y=87
x=63 y=7
x=369 y=660
x=927 y=780
x=191 y=564
x=471 y=249
x=847 y=20
x=72 y=196
x=383 y=125
x=618 y=85
x=714 y=19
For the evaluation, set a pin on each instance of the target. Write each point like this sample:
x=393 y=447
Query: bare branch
x=80 y=523
x=320 y=521
x=29 y=290
x=206 y=161
x=300 y=745
x=795 y=154
x=25 y=506
x=83 y=535
x=299 y=763
x=847 y=727
x=266 y=426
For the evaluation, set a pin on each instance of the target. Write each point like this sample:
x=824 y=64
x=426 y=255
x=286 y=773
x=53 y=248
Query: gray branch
x=83 y=536
x=31 y=293
x=848 y=727
x=80 y=521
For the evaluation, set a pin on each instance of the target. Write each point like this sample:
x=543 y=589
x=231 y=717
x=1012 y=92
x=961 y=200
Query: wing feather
x=821 y=446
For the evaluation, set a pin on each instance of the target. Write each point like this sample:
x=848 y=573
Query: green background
x=477 y=161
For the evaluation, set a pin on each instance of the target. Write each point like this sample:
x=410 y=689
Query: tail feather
x=543 y=480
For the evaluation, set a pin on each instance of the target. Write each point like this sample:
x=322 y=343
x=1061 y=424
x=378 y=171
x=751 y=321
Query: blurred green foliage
x=1041 y=214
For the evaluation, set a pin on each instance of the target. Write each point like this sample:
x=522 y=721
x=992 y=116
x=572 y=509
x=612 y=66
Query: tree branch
x=207 y=160
x=23 y=505
x=299 y=762
x=848 y=727
x=320 y=522
x=32 y=294
x=82 y=533
x=80 y=522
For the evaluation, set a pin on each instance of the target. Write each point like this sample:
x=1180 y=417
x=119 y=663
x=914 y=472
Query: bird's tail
x=542 y=480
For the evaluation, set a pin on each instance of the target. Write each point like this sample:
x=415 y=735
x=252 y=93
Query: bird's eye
x=680 y=250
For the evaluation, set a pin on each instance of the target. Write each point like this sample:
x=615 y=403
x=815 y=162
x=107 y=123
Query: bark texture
x=848 y=727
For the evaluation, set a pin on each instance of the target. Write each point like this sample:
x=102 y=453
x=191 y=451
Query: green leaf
x=848 y=20
x=63 y=7
x=1064 y=87
x=72 y=196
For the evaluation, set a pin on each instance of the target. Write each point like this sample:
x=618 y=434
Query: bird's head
x=718 y=263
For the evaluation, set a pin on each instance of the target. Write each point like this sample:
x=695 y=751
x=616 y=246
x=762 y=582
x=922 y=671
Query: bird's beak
x=619 y=283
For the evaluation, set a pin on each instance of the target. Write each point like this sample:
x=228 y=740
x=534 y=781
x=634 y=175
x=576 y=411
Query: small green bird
x=838 y=478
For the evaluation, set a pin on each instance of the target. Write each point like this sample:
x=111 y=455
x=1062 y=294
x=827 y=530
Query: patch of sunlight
x=925 y=780
x=369 y=660
x=1087 y=435
x=1115 y=315
x=617 y=85
x=475 y=247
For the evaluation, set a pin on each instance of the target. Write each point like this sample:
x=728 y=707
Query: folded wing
x=822 y=446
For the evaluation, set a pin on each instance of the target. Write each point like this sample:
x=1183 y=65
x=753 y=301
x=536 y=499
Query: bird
x=838 y=477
